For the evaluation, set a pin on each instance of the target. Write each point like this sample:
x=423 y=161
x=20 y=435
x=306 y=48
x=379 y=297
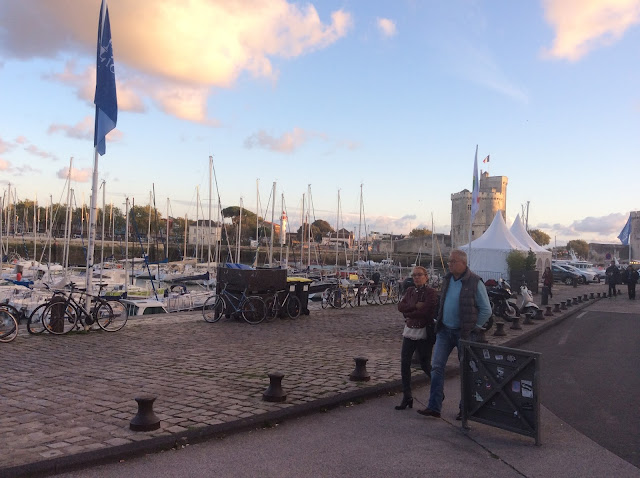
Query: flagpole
x=92 y=228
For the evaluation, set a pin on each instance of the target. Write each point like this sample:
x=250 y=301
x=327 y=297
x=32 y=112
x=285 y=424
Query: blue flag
x=626 y=232
x=105 y=100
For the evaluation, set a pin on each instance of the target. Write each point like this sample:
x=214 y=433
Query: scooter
x=501 y=302
x=526 y=305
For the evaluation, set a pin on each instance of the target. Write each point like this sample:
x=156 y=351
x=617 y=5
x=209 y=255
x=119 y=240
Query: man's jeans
x=446 y=340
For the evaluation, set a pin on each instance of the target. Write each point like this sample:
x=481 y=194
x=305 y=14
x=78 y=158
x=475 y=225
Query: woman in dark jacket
x=419 y=306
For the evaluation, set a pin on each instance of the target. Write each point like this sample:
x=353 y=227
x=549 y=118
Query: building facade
x=492 y=193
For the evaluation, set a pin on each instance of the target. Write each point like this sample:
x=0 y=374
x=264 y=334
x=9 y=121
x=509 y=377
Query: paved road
x=590 y=374
x=69 y=399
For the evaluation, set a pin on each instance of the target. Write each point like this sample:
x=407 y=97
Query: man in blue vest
x=464 y=306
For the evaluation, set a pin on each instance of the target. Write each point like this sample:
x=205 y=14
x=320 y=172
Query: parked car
x=585 y=276
x=563 y=275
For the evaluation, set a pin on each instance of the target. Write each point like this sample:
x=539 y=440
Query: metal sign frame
x=500 y=388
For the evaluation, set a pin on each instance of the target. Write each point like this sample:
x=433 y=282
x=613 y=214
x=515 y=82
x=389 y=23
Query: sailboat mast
x=210 y=192
x=337 y=230
x=166 y=250
x=239 y=232
x=126 y=241
x=309 y=230
x=273 y=206
x=302 y=233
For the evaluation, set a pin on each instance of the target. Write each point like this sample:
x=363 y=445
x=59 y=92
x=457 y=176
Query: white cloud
x=286 y=143
x=34 y=150
x=4 y=146
x=590 y=229
x=186 y=51
x=79 y=175
x=4 y=165
x=583 y=25
x=387 y=27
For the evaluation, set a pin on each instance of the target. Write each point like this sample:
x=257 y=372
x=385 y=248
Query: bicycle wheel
x=8 y=325
x=394 y=294
x=294 y=306
x=212 y=309
x=383 y=295
x=326 y=295
x=351 y=298
x=111 y=315
x=370 y=295
x=271 y=306
x=58 y=319
x=338 y=299
x=34 y=323
x=254 y=310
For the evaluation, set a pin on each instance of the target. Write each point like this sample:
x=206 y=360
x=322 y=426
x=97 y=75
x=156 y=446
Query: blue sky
x=393 y=96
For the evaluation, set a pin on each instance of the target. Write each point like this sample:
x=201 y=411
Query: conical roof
x=498 y=237
x=521 y=234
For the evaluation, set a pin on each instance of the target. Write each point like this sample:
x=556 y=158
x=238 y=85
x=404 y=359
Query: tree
x=420 y=232
x=541 y=237
x=320 y=228
x=580 y=247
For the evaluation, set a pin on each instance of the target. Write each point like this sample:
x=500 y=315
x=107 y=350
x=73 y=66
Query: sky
x=380 y=100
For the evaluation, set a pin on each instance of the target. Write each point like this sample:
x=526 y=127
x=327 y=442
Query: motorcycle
x=526 y=305
x=502 y=304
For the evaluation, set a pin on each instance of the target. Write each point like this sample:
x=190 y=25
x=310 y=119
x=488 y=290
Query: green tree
x=580 y=247
x=541 y=237
x=320 y=228
x=420 y=232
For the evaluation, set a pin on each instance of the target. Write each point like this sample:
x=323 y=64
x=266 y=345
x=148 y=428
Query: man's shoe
x=427 y=412
x=459 y=416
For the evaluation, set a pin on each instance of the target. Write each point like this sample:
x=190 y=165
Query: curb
x=156 y=444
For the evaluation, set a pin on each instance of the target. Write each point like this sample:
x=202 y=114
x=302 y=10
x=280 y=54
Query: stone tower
x=493 y=198
x=634 y=237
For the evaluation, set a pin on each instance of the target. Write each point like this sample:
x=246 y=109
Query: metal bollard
x=585 y=298
x=592 y=296
x=145 y=420
x=515 y=325
x=598 y=295
x=274 y=392
x=576 y=300
x=538 y=315
x=499 y=330
x=569 y=303
x=556 y=307
x=548 y=313
x=579 y=299
x=563 y=304
x=480 y=337
x=360 y=373
x=527 y=319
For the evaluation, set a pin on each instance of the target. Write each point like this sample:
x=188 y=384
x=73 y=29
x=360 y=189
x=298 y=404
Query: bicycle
x=290 y=303
x=8 y=324
x=63 y=312
x=252 y=308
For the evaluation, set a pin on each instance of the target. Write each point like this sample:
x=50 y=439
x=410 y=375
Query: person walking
x=632 y=280
x=418 y=306
x=547 y=280
x=464 y=306
x=613 y=277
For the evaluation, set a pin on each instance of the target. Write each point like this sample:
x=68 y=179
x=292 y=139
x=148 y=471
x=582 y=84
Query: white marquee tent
x=543 y=256
x=488 y=254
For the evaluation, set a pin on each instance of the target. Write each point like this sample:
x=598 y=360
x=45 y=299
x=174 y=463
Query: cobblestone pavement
x=69 y=399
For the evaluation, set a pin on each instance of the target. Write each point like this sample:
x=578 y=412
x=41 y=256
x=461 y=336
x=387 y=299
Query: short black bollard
x=499 y=330
x=274 y=392
x=545 y=295
x=527 y=319
x=574 y=282
x=592 y=296
x=556 y=307
x=145 y=420
x=576 y=300
x=598 y=295
x=515 y=325
x=480 y=338
x=359 y=373
x=538 y=315
x=563 y=304
x=585 y=298
x=569 y=304
x=579 y=299
x=548 y=313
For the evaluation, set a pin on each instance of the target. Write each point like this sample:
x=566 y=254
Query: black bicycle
x=64 y=313
x=8 y=323
x=252 y=308
x=280 y=301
